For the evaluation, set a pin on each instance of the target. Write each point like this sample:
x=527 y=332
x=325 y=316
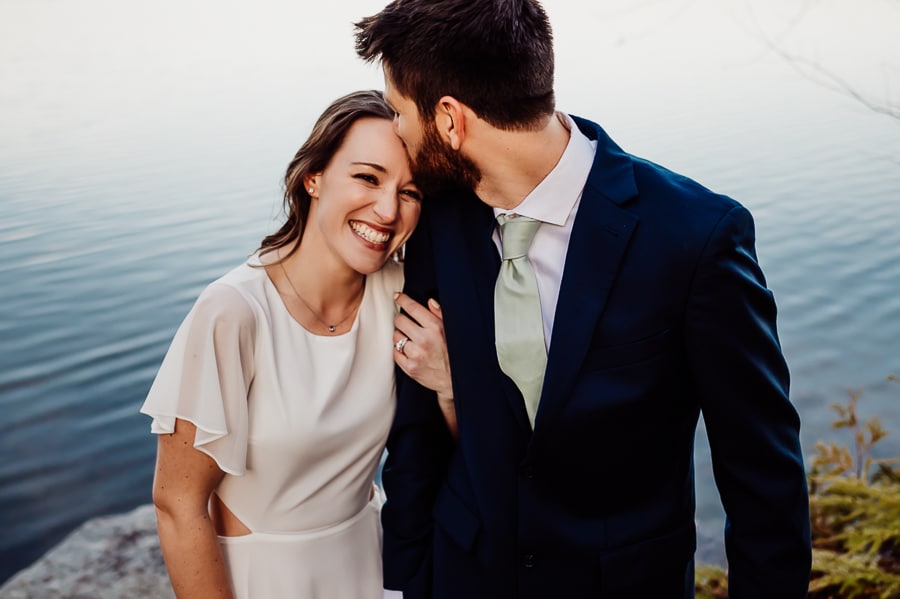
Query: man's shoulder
x=654 y=177
x=650 y=176
x=651 y=191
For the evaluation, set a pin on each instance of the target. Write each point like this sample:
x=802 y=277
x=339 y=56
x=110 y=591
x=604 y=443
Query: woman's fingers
x=413 y=310
x=421 y=352
x=424 y=326
x=406 y=326
x=419 y=345
x=435 y=309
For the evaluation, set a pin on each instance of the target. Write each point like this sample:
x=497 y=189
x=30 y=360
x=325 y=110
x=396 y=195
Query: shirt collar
x=555 y=196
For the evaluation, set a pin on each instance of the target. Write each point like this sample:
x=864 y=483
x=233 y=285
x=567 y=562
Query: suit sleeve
x=419 y=446
x=742 y=381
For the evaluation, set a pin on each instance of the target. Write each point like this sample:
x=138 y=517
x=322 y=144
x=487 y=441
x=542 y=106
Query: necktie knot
x=516 y=234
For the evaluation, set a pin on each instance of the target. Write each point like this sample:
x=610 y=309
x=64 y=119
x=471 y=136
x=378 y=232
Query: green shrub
x=855 y=513
x=710 y=582
x=855 y=517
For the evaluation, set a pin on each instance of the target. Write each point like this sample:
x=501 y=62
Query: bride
x=275 y=398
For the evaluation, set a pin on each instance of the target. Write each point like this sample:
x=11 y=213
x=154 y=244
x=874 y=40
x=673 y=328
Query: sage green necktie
x=518 y=324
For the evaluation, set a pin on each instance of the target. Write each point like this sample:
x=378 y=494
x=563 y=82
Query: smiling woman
x=283 y=356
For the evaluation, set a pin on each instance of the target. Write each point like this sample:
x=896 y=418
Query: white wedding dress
x=297 y=422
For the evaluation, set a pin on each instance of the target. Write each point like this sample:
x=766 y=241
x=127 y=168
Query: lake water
x=142 y=145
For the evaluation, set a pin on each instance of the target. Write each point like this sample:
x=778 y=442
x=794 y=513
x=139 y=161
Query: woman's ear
x=451 y=121
x=311 y=183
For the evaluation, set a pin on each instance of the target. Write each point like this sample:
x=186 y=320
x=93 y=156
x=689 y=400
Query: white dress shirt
x=555 y=202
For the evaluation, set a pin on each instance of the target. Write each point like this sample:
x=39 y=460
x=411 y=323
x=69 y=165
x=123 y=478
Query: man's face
x=435 y=164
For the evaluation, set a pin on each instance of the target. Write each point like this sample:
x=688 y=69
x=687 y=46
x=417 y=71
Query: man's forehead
x=389 y=96
x=390 y=91
x=393 y=97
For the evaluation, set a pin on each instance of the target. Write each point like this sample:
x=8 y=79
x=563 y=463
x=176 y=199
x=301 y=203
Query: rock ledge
x=118 y=557
x=113 y=557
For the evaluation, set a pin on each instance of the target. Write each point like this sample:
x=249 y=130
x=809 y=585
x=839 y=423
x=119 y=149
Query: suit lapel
x=598 y=244
x=466 y=276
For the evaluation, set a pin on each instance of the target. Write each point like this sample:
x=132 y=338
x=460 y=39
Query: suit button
x=528 y=560
x=527 y=471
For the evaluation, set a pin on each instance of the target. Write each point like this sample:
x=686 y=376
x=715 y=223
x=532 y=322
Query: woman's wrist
x=448 y=409
x=445 y=398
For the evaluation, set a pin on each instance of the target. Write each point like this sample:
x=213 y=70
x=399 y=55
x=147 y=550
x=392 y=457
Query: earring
x=311 y=190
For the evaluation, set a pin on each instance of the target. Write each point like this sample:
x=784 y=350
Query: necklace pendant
x=331 y=328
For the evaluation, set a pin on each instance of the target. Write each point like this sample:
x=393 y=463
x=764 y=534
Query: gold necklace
x=331 y=327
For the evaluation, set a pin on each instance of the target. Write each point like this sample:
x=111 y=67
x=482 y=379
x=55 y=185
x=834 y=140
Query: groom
x=581 y=359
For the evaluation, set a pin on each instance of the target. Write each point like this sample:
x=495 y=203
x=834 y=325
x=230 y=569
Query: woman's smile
x=367 y=232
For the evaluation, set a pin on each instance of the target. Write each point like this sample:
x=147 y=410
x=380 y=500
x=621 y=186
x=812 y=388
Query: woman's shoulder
x=389 y=277
x=232 y=297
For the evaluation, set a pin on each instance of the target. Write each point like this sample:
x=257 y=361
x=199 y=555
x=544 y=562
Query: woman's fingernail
x=433 y=303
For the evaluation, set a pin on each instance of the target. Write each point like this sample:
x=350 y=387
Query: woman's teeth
x=369 y=234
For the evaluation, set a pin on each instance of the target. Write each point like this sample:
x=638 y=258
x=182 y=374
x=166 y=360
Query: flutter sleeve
x=206 y=375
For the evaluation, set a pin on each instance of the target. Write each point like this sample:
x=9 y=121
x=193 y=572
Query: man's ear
x=450 y=118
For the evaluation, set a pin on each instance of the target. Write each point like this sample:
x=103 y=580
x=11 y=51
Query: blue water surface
x=141 y=150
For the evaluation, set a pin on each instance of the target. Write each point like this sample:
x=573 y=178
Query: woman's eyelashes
x=367 y=177
x=371 y=179
x=412 y=194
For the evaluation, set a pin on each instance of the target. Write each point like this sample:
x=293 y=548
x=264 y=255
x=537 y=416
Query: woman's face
x=365 y=204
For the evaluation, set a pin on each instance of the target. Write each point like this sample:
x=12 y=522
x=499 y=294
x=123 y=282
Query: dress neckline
x=255 y=264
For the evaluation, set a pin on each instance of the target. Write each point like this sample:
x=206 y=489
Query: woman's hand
x=420 y=350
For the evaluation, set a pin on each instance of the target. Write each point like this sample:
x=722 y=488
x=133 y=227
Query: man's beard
x=436 y=166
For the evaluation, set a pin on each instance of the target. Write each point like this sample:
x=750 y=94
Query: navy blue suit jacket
x=663 y=313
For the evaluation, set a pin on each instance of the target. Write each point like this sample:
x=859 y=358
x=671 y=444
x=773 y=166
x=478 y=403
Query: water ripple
x=116 y=211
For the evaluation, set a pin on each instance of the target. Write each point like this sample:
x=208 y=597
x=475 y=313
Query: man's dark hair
x=495 y=56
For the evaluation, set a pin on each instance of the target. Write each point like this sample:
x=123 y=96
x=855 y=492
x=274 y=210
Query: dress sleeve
x=206 y=375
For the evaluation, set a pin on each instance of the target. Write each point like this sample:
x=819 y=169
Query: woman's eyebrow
x=374 y=165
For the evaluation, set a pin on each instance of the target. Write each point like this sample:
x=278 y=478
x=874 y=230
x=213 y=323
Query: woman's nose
x=386 y=207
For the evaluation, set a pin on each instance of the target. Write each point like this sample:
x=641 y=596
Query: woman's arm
x=424 y=356
x=182 y=484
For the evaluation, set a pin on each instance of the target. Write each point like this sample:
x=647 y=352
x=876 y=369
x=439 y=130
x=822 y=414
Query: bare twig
x=816 y=72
